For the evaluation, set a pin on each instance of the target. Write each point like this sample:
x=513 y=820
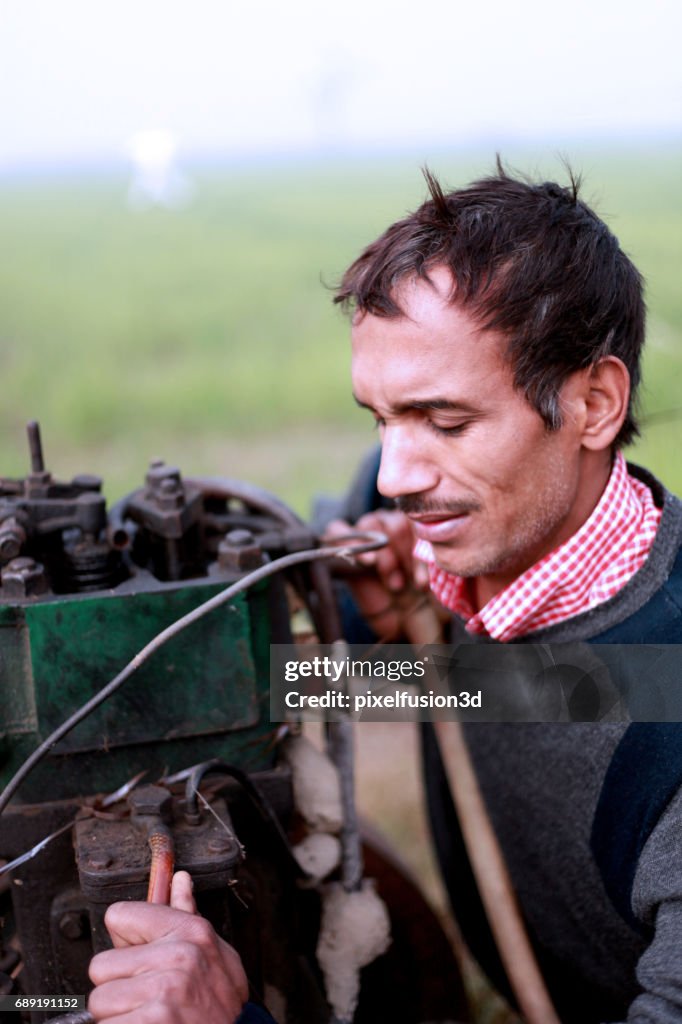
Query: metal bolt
x=219 y=844
x=9 y=548
x=87 y=482
x=100 y=861
x=150 y=801
x=164 y=485
x=22 y=577
x=12 y=539
x=159 y=472
x=22 y=565
x=170 y=495
x=239 y=550
x=240 y=538
x=71 y=925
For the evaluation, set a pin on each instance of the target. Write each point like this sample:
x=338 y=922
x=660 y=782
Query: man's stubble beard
x=526 y=545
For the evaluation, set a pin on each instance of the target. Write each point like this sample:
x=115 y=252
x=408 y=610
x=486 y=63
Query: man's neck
x=595 y=476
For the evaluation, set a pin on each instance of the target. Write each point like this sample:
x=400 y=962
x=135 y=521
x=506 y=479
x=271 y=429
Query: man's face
x=463 y=452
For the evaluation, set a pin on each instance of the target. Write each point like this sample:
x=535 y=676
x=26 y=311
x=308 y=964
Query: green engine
x=83 y=589
x=82 y=592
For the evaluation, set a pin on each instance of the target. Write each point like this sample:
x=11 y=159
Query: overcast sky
x=80 y=77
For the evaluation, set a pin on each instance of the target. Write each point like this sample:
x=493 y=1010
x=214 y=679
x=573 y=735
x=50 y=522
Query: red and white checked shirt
x=589 y=568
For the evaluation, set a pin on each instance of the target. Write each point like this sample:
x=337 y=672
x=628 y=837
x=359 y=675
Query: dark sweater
x=590 y=821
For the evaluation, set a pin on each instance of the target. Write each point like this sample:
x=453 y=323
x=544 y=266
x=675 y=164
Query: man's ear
x=605 y=393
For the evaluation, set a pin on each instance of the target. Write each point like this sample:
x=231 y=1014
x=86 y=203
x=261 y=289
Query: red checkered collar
x=589 y=568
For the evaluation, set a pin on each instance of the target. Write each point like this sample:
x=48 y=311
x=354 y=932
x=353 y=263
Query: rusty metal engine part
x=354 y=544
x=80 y=593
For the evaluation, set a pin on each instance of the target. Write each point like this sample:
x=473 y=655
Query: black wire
x=258 y=799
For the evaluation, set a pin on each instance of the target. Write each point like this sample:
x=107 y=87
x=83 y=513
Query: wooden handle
x=492 y=877
x=485 y=855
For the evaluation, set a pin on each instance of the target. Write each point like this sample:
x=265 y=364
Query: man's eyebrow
x=444 y=404
x=434 y=404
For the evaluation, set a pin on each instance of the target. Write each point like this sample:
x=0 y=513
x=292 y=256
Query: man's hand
x=168 y=966
x=395 y=582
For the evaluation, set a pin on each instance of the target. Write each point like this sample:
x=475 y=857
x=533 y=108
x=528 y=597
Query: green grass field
x=207 y=336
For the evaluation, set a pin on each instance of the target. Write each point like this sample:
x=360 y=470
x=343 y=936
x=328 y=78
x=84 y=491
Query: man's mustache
x=416 y=504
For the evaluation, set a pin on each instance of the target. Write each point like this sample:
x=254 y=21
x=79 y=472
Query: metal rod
x=341 y=751
x=485 y=853
x=36 y=447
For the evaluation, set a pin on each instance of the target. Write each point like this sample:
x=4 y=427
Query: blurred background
x=180 y=185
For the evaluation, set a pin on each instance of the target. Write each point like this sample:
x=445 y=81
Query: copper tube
x=163 y=862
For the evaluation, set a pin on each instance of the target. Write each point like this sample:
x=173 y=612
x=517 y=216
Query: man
x=497 y=334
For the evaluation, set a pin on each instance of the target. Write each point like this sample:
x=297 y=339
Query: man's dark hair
x=530 y=260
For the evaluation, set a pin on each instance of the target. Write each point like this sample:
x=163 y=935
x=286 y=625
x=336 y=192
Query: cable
x=485 y=853
x=369 y=540
x=260 y=802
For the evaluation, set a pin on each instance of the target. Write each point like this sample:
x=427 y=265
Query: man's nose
x=404 y=468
